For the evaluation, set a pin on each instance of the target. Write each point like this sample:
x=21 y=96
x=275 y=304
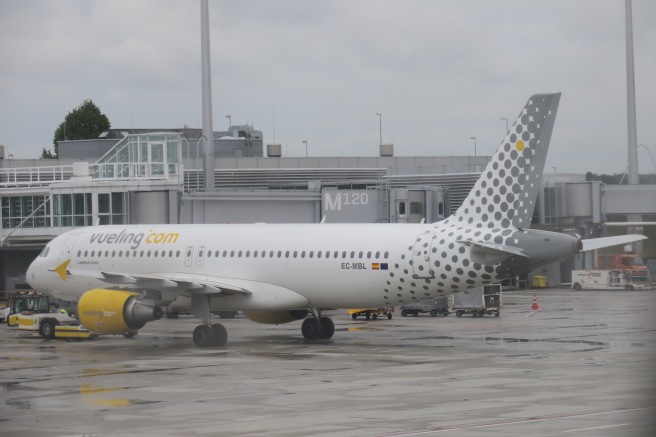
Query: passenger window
x=377 y=254
x=360 y=254
x=303 y=254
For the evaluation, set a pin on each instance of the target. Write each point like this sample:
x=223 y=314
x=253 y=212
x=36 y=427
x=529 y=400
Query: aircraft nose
x=31 y=274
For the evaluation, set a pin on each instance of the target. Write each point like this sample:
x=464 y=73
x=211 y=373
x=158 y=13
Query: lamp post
x=306 y=149
x=506 y=118
x=474 y=138
x=380 y=128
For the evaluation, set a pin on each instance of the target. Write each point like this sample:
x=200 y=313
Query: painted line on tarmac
x=511 y=422
x=597 y=427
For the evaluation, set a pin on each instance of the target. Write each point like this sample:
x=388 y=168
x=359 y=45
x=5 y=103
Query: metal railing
x=44 y=176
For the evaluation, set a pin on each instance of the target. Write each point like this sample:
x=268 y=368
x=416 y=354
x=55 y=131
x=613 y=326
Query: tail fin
x=505 y=194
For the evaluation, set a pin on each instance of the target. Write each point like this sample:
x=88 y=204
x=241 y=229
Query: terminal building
x=156 y=177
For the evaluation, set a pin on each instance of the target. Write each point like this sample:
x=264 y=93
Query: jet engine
x=276 y=317
x=114 y=311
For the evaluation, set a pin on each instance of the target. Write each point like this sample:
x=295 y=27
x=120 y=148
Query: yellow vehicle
x=370 y=313
x=30 y=311
x=20 y=301
x=50 y=325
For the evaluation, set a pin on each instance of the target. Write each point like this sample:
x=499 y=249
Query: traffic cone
x=535 y=305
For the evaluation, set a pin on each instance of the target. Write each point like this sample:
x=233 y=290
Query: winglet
x=61 y=269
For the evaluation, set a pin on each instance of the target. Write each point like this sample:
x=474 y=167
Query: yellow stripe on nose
x=61 y=269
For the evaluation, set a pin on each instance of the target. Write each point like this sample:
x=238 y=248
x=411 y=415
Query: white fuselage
x=330 y=266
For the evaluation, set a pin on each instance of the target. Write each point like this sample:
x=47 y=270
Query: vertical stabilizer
x=505 y=194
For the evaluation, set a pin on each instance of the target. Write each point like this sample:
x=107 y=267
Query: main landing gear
x=210 y=335
x=207 y=334
x=317 y=327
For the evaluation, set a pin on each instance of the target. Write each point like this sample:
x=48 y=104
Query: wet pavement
x=584 y=365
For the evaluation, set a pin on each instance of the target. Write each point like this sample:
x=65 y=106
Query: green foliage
x=46 y=154
x=84 y=122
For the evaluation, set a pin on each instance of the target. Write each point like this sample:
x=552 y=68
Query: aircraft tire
x=203 y=336
x=374 y=316
x=389 y=316
x=327 y=327
x=311 y=328
x=220 y=335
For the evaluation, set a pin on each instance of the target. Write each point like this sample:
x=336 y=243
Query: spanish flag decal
x=378 y=266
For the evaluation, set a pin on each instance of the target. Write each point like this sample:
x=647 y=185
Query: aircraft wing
x=195 y=284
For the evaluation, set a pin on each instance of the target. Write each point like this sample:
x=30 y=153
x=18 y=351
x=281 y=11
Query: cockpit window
x=44 y=252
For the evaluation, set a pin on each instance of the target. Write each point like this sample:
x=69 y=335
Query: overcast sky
x=440 y=72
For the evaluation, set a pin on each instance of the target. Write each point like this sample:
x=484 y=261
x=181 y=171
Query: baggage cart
x=478 y=301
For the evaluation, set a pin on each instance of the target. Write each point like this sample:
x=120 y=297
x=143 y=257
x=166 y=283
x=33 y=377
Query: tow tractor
x=30 y=311
x=370 y=313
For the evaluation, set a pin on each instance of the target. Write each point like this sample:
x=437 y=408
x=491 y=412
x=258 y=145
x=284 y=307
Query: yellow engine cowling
x=276 y=317
x=114 y=311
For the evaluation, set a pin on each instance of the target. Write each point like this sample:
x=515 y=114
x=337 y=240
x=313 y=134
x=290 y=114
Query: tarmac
x=583 y=365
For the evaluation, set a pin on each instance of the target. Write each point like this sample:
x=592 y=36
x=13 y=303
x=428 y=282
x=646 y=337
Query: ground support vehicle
x=24 y=301
x=431 y=306
x=614 y=279
x=50 y=325
x=478 y=301
x=370 y=313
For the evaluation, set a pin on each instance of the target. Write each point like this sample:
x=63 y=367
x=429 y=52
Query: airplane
x=121 y=274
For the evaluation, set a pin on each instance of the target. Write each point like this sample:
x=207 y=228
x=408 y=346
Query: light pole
x=229 y=117
x=306 y=149
x=380 y=128
x=474 y=138
x=506 y=118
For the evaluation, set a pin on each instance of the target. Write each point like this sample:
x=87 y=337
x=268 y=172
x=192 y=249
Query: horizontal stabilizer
x=490 y=253
x=599 y=243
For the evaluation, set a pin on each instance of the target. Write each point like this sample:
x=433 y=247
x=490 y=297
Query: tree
x=46 y=154
x=82 y=123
